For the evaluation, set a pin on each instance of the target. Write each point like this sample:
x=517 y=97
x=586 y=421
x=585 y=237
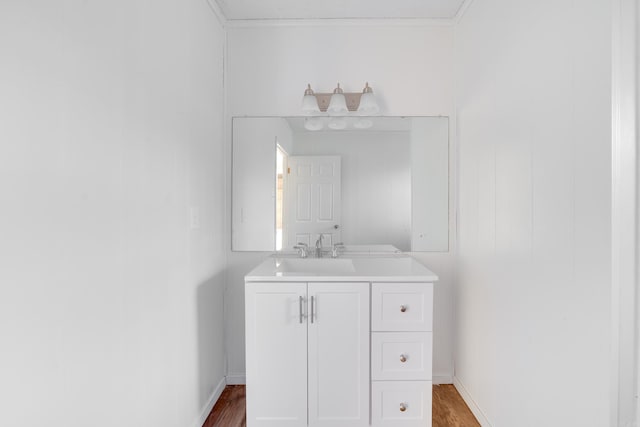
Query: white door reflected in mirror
x=312 y=200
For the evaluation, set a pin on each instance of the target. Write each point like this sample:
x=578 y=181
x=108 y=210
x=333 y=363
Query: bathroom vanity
x=339 y=342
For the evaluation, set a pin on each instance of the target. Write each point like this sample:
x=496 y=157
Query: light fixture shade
x=313 y=123
x=310 y=105
x=337 y=123
x=368 y=104
x=338 y=103
x=309 y=102
x=363 y=123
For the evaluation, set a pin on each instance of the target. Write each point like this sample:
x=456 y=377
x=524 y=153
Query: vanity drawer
x=401 y=403
x=401 y=356
x=401 y=306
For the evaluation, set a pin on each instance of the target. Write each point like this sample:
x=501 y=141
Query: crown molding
x=217 y=11
x=462 y=10
x=332 y=22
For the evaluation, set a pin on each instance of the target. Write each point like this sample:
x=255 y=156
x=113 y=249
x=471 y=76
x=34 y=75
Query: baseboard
x=210 y=403
x=442 y=379
x=241 y=379
x=236 y=379
x=477 y=412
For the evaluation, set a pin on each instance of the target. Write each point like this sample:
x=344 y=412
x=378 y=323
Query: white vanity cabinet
x=341 y=342
x=307 y=347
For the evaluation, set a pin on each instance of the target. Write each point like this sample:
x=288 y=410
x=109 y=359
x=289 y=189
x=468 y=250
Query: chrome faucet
x=319 y=247
x=303 y=249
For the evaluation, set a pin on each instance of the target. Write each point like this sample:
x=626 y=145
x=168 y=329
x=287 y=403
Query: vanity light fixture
x=340 y=103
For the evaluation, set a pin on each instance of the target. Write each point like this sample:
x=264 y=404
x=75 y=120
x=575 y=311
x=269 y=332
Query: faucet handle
x=334 y=251
x=302 y=249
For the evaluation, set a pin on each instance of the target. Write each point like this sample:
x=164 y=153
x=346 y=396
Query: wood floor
x=449 y=410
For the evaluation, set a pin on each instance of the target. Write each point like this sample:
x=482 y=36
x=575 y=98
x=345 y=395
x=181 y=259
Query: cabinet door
x=276 y=353
x=338 y=354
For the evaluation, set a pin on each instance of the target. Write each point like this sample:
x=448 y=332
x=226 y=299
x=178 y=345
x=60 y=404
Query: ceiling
x=333 y=9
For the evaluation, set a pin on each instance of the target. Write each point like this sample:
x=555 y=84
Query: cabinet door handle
x=403 y=308
x=403 y=407
x=313 y=303
x=403 y=358
x=301 y=316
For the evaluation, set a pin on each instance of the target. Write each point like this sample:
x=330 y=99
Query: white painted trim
x=473 y=406
x=241 y=379
x=463 y=9
x=236 y=379
x=206 y=410
x=624 y=211
x=442 y=379
x=339 y=22
x=226 y=134
x=217 y=11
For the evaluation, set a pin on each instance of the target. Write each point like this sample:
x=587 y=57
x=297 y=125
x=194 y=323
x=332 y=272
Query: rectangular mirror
x=376 y=180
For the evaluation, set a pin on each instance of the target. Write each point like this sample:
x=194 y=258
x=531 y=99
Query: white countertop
x=346 y=268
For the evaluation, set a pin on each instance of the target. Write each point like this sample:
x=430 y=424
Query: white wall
x=376 y=183
x=110 y=131
x=410 y=68
x=533 y=295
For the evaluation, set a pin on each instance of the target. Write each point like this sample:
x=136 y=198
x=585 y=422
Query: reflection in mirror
x=383 y=183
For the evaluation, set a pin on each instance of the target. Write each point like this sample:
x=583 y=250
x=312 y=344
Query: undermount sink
x=315 y=266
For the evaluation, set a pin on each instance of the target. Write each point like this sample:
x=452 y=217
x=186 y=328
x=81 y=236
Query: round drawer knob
x=403 y=407
x=403 y=358
x=403 y=308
